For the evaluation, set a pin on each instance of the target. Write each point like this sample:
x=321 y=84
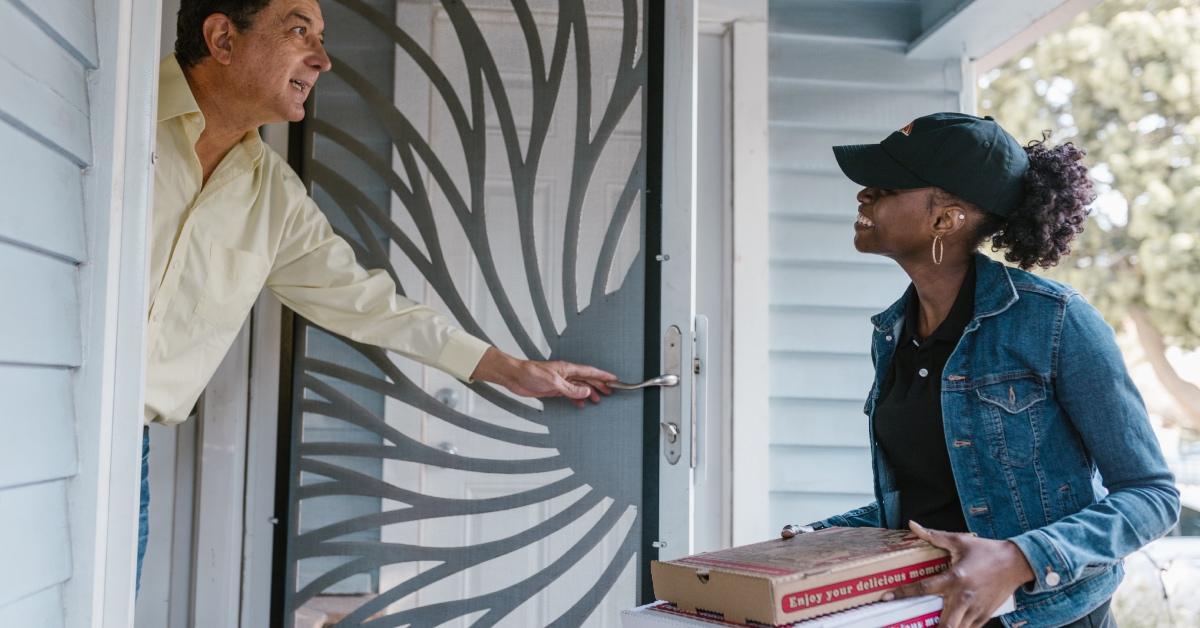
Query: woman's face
x=894 y=223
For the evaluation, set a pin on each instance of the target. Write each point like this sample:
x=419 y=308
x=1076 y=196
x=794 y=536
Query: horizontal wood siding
x=43 y=609
x=34 y=540
x=41 y=325
x=38 y=399
x=45 y=56
x=838 y=76
x=44 y=196
x=70 y=22
x=45 y=88
x=829 y=284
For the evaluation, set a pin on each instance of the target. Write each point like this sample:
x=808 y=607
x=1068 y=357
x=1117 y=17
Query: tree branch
x=1185 y=394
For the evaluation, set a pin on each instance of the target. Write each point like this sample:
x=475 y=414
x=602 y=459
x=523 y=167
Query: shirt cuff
x=1050 y=570
x=461 y=354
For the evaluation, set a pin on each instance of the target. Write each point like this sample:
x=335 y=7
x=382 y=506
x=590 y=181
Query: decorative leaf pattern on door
x=585 y=464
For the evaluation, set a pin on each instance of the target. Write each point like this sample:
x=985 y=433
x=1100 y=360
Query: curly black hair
x=1053 y=208
x=190 y=47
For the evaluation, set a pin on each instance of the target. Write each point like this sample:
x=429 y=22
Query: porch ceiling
x=927 y=29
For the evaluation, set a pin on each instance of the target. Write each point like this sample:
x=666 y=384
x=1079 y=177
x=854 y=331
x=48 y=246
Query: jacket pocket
x=1011 y=409
x=232 y=284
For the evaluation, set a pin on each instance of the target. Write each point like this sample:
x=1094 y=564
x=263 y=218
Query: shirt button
x=923 y=372
x=1052 y=578
x=888 y=338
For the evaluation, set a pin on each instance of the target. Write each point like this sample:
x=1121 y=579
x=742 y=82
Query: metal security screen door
x=490 y=156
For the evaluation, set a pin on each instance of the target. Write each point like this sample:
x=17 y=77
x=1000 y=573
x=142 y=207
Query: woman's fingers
x=935 y=585
x=937 y=538
x=954 y=609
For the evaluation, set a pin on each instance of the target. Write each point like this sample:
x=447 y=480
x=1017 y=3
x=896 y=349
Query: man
x=231 y=217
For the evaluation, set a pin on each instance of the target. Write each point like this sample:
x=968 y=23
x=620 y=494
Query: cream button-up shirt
x=215 y=245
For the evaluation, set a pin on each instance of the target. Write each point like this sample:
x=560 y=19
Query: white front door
x=494 y=157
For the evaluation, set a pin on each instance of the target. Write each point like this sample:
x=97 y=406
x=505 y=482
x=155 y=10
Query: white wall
x=850 y=83
x=74 y=110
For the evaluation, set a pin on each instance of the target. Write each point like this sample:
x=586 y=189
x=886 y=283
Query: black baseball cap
x=969 y=157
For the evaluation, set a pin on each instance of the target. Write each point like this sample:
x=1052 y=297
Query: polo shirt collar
x=956 y=320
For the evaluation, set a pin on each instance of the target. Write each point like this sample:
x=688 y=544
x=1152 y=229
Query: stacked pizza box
x=785 y=581
x=915 y=612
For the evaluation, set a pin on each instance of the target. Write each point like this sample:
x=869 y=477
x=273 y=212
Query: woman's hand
x=982 y=574
x=544 y=379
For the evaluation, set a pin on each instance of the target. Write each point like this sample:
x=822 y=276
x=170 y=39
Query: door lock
x=672 y=419
x=672 y=432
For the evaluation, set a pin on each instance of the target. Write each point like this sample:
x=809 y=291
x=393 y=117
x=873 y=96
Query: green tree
x=1123 y=82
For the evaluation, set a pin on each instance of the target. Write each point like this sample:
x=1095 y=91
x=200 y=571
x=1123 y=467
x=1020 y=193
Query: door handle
x=666 y=381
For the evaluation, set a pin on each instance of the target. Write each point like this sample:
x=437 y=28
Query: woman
x=1002 y=416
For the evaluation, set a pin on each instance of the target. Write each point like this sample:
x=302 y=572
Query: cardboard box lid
x=808 y=555
x=785 y=580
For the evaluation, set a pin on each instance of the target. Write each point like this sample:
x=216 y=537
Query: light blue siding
x=45 y=56
x=33 y=540
x=838 y=75
x=866 y=285
x=38 y=400
x=43 y=609
x=42 y=326
x=43 y=196
x=70 y=22
x=44 y=87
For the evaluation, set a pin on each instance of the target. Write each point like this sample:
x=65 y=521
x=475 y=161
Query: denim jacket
x=1049 y=441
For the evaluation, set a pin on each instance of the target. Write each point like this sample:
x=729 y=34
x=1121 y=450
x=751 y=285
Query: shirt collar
x=174 y=95
x=175 y=99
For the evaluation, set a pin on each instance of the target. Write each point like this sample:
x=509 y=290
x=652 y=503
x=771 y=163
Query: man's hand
x=982 y=574
x=544 y=379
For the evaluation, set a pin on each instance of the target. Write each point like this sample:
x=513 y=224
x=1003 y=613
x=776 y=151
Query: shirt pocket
x=234 y=279
x=1011 y=409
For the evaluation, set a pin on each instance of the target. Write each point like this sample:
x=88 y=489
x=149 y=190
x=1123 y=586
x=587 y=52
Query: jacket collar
x=994 y=293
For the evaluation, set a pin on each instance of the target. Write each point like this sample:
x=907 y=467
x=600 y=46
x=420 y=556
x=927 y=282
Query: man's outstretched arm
x=316 y=274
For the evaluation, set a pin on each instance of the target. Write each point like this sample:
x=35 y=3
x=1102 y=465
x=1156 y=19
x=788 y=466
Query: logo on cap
x=907 y=130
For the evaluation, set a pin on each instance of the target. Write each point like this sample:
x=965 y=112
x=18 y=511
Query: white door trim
x=219 y=490
x=262 y=442
x=751 y=312
x=676 y=503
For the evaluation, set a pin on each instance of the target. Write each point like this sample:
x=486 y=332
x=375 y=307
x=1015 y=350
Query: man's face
x=276 y=61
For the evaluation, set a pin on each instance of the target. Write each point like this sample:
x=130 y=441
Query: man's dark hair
x=190 y=47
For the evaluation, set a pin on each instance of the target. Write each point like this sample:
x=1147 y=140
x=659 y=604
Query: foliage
x=1123 y=81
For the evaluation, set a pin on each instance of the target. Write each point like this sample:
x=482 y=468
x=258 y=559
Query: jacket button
x=923 y=372
x=1052 y=578
x=887 y=338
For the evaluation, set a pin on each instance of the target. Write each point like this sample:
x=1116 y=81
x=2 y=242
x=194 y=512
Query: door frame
x=671 y=272
x=109 y=383
x=742 y=467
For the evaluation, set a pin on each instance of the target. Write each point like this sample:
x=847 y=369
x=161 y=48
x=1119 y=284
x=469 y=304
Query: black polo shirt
x=908 y=415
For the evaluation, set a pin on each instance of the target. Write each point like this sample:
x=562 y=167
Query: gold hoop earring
x=939 y=249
